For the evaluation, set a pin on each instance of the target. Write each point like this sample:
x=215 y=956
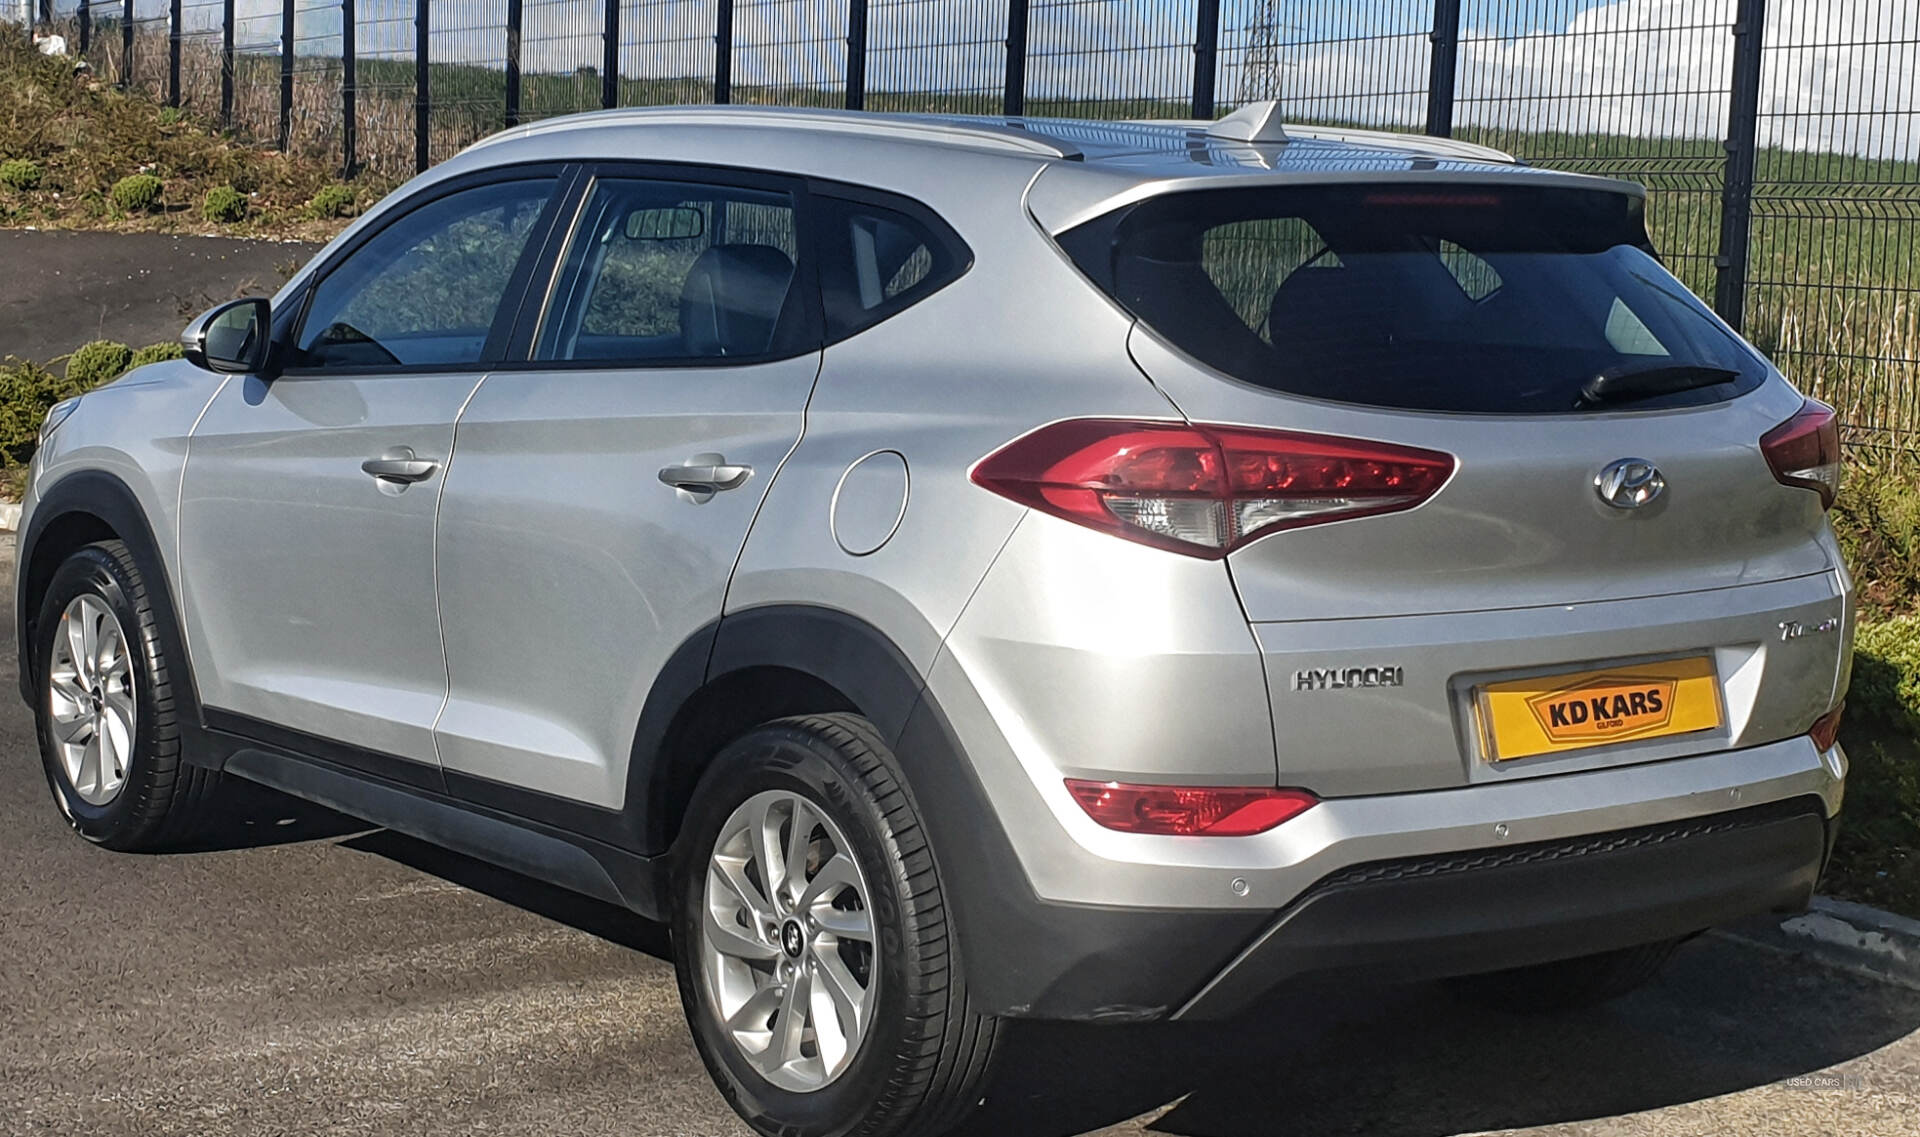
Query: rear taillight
x=1205 y=490
x=1189 y=811
x=1826 y=728
x=1804 y=451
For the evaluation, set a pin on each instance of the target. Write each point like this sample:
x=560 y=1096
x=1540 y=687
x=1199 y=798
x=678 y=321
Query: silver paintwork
x=506 y=615
x=90 y=699
x=787 y=941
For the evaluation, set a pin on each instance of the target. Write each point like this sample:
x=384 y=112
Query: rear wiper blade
x=1623 y=385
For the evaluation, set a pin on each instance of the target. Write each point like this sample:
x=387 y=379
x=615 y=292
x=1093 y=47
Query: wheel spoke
x=763 y=833
x=75 y=627
x=730 y=940
x=843 y=923
x=88 y=779
x=118 y=737
x=731 y=873
x=837 y=874
x=753 y=1014
x=90 y=638
x=799 y=839
x=845 y=998
x=71 y=729
x=791 y=1030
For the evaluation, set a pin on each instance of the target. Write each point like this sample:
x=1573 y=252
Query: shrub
x=98 y=362
x=1878 y=522
x=137 y=193
x=155 y=353
x=332 y=201
x=20 y=173
x=26 y=391
x=171 y=116
x=223 y=205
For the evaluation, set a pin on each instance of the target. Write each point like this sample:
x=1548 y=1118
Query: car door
x=306 y=514
x=604 y=487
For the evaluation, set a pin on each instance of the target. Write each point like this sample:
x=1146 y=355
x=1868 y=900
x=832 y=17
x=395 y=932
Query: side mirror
x=234 y=337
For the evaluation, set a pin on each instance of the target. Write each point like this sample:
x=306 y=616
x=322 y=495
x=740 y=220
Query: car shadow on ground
x=1416 y=1061
x=252 y=816
x=1409 y=1061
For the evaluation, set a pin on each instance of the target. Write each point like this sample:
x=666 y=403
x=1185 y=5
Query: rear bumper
x=1485 y=910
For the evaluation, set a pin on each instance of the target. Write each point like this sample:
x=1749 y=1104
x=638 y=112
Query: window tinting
x=1481 y=299
x=662 y=270
x=425 y=290
x=878 y=261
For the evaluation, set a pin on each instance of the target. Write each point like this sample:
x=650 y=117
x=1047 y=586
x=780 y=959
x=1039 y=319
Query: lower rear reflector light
x=1189 y=811
x=1826 y=728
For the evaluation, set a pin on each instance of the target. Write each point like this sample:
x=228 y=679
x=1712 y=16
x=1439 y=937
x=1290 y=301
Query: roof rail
x=984 y=135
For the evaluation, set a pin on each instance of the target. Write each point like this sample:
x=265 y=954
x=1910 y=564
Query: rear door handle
x=704 y=475
x=400 y=465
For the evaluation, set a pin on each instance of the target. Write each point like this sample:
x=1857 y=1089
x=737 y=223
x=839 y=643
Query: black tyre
x=816 y=963
x=1568 y=984
x=105 y=708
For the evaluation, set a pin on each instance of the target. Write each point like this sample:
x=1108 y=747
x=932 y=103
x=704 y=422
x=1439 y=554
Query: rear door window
x=1450 y=298
x=663 y=271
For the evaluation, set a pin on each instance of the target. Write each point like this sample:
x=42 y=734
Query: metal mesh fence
x=790 y=52
x=1783 y=154
x=1834 y=275
x=1110 y=58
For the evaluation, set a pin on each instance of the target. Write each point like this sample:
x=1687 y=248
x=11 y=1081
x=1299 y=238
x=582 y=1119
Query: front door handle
x=400 y=465
x=704 y=475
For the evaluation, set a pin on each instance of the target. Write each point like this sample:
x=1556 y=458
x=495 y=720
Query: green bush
x=223 y=205
x=26 y=391
x=171 y=116
x=155 y=353
x=332 y=201
x=1877 y=858
x=1878 y=522
x=20 y=173
x=98 y=362
x=137 y=193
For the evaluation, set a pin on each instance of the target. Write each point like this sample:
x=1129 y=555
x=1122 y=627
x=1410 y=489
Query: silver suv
x=954 y=570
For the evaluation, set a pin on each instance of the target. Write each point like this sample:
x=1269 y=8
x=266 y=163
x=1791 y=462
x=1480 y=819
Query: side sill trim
x=569 y=861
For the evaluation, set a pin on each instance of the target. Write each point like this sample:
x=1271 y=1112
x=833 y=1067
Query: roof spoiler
x=1255 y=122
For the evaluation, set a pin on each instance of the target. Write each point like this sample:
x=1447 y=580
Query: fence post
x=513 y=62
x=226 y=65
x=1206 y=57
x=1743 y=127
x=610 y=58
x=856 y=54
x=286 y=74
x=173 y=53
x=723 y=53
x=422 y=83
x=1015 y=102
x=349 y=127
x=86 y=27
x=1443 y=75
x=126 y=46
x=46 y=11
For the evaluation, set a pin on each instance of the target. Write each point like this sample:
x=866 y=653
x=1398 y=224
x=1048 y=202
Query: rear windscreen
x=1489 y=299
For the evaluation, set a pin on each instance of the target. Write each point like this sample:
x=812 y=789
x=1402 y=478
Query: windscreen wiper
x=1624 y=385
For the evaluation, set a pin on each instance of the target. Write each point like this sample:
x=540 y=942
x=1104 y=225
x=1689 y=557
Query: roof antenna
x=1254 y=122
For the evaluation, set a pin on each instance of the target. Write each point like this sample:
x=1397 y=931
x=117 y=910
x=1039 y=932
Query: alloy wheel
x=787 y=941
x=90 y=699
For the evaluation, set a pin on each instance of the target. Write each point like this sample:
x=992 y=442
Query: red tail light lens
x=1206 y=490
x=1804 y=451
x=1826 y=728
x=1189 y=811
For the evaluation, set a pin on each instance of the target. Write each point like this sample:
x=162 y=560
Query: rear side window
x=878 y=260
x=1517 y=300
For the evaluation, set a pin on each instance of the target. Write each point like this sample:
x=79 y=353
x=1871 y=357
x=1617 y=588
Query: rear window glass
x=1516 y=300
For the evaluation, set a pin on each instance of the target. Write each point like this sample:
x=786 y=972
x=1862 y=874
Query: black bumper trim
x=1490 y=909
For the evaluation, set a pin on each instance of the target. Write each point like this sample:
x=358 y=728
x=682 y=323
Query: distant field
x=1834 y=261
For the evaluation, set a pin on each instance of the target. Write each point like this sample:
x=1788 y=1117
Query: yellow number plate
x=1554 y=713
